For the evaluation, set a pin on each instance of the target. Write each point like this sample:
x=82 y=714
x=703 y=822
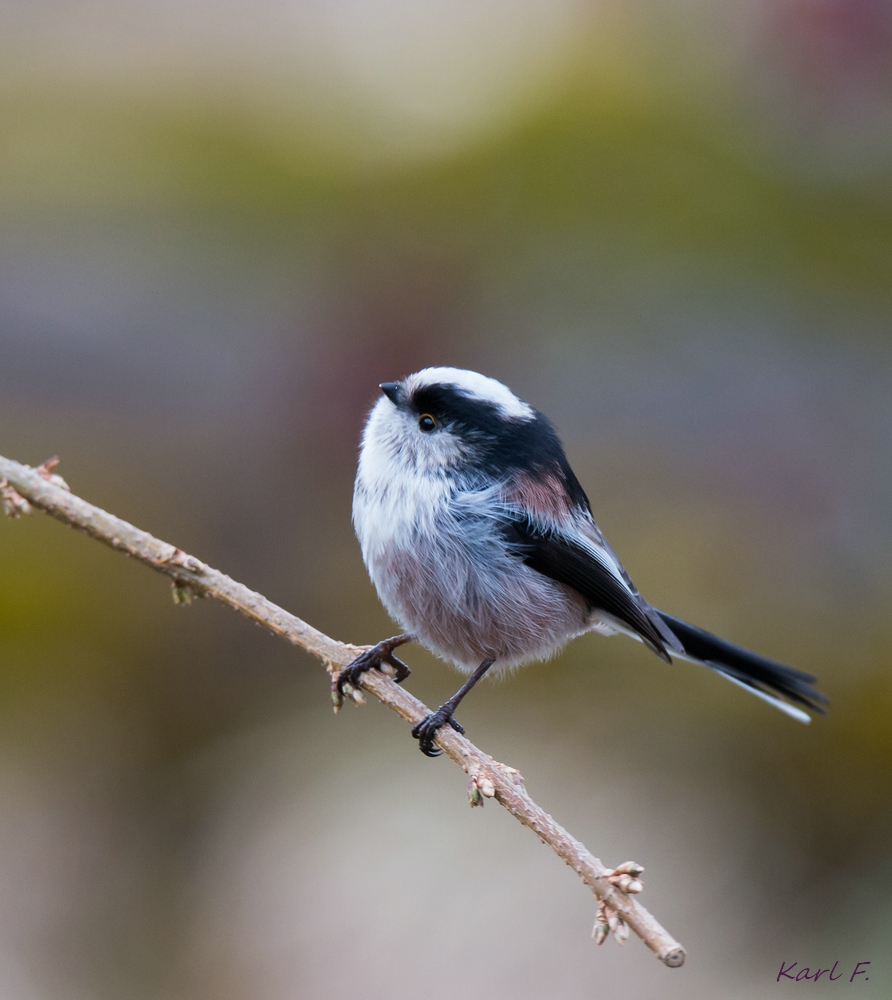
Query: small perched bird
x=482 y=545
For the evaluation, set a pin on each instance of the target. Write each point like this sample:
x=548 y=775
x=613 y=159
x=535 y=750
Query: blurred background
x=666 y=224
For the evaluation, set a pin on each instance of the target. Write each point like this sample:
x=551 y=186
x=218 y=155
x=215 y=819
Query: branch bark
x=43 y=489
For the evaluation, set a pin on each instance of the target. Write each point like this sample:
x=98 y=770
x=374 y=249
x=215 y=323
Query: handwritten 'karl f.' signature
x=786 y=972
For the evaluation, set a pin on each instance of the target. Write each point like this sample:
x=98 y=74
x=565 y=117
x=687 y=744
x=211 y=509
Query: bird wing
x=559 y=538
x=590 y=568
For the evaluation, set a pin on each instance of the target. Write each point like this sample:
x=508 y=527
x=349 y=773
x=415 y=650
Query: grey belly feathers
x=453 y=591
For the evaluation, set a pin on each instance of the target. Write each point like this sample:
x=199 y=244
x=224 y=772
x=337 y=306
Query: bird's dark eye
x=427 y=423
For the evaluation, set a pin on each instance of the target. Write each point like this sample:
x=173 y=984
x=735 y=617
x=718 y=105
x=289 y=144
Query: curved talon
x=428 y=728
x=400 y=670
x=372 y=659
x=351 y=674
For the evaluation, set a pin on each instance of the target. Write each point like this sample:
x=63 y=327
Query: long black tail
x=763 y=677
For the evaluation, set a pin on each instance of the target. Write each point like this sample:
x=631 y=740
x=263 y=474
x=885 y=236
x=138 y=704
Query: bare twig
x=618 y=911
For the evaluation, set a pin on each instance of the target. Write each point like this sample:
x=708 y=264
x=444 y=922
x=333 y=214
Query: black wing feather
x=554 y=555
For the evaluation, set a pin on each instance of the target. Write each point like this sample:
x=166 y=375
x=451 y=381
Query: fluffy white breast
x=400 y=482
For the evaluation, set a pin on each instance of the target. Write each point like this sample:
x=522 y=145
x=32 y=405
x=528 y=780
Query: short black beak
x=392 y=391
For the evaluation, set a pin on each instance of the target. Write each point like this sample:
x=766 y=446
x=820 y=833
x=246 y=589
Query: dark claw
x=401 y=671
x=371 y=659
x=351 y=675
x=427 y=729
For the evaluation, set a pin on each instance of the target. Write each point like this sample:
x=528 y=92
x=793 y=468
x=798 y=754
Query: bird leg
x=372 y=659
x=426 y=730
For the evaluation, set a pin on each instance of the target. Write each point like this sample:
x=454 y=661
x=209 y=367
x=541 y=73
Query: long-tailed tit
x=482 y=545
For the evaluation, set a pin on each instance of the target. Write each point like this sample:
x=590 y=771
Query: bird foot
x=348 y=681
x=429 y=726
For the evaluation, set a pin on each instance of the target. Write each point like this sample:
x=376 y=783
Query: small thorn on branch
x=179 y=558
x=45 y=471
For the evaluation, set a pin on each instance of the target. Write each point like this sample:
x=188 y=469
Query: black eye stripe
x=449 y=405
x=502 y=446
